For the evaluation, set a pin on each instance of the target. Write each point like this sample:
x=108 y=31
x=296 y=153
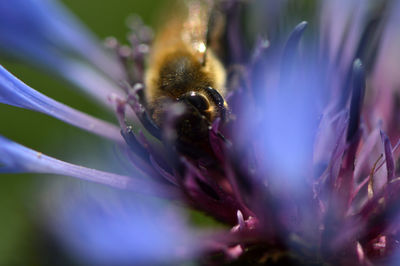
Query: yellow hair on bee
x=181 y=62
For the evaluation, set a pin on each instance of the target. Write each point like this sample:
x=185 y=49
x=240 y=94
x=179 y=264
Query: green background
x=21 y=240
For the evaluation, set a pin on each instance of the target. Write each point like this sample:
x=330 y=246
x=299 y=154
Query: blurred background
x=21 y=241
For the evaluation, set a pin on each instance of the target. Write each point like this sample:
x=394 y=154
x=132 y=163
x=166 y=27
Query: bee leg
x=150 y=125
x=135 y=98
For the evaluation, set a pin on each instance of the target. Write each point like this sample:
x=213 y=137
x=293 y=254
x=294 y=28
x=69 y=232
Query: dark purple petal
x=168 y=176
x=357 y=98
x=365 y=153
x=140 y=111
x=390 y=165
x=216 y=140
x=201 y=196
x=381 y=213
x=15 y=92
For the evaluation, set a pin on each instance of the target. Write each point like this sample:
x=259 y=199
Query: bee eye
x=197 y=100
x=215 y=96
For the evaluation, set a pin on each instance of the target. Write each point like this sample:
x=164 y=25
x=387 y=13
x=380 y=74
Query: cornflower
x=303 y=173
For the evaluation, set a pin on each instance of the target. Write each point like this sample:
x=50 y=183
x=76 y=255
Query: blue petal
x=90 y=81
x=15 y=92
x=45 y=24
x=287 y=119
x=45 y=34
x=288 y=133
x=103 y=228
x=15 y=158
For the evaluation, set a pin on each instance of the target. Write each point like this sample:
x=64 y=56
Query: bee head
x=207 y=102
x=202 y=107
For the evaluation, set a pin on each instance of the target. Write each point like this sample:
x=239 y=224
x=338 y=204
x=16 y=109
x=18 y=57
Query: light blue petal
x=15 y=92
x=103 y=228
x=91 y=82
x=15 y=158
x=287 y=134
x=288 y=118
x=87 y=78
x=46 y=24
x=46 y=35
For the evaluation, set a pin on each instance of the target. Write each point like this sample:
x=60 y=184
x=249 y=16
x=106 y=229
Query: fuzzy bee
x=182 y=68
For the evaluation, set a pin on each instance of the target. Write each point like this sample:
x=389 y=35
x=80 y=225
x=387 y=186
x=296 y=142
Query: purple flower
x=304 y=171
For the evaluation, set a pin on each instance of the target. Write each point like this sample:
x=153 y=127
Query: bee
x=182 y=68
